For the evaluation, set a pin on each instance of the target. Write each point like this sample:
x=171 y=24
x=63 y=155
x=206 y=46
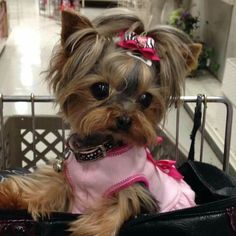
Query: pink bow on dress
x=167 y=166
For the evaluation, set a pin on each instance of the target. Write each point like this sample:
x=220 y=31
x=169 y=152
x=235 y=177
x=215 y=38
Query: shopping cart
x=26 y=140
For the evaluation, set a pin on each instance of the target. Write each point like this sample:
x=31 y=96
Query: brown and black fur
x=88 y=55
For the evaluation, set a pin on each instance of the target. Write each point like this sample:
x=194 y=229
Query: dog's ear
x=192 y=59
x=71 y=22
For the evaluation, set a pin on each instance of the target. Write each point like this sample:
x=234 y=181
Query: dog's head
x=108 y=88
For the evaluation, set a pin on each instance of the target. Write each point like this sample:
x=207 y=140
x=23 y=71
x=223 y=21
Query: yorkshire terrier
x=114 y=82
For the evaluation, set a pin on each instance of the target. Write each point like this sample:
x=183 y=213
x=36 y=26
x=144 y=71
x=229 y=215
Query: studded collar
x=83 y=154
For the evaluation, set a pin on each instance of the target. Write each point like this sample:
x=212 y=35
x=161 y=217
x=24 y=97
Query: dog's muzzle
x=123 y=123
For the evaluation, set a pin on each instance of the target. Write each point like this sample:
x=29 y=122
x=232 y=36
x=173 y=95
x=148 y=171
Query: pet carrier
x=27 y=140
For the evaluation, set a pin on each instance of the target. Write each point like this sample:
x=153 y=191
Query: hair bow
x=142 y=44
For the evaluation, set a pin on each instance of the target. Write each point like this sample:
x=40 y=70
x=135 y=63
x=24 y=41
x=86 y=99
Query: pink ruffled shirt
x=120 y=169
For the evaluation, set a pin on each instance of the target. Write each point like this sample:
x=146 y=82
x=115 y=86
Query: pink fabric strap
x=167 y=166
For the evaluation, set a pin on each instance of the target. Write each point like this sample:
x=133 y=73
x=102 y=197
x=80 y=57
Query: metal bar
x=210 y=99
x=203 y=128
x=190 y=99
x=49 y=8
x=63 y=135
x=228 y=130
x=177 y=133
x=186 y=99
x=83 y=3
x=2 y=132
x=228 y=126
x=28 y=99
x=33 y=122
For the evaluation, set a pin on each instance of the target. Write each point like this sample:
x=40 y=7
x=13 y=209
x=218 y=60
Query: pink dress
x=120 y=169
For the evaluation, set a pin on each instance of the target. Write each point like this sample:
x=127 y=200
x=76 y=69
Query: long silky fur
x=88 y=54
x=42 y=192
x=106 y=218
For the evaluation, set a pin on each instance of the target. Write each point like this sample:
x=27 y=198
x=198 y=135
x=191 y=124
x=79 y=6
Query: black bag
x=215 y=214
x=215 y=196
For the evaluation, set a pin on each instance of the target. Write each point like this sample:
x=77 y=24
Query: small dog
x=114 y=82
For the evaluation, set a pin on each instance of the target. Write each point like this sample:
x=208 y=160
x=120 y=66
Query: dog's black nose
x=123 y=122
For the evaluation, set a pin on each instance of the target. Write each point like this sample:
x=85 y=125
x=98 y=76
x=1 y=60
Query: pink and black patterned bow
x=142 y=44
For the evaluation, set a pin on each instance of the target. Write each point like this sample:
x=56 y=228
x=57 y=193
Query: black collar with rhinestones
x=91 y=153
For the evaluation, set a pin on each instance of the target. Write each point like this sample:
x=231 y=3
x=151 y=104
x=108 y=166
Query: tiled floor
x=29 y=46
x=28 y=49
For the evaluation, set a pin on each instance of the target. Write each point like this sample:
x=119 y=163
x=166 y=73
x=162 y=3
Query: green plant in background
x=183 y=19
x=206 y=60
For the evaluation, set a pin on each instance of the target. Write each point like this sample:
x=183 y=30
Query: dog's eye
x=145 y=100
x=100 y=90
